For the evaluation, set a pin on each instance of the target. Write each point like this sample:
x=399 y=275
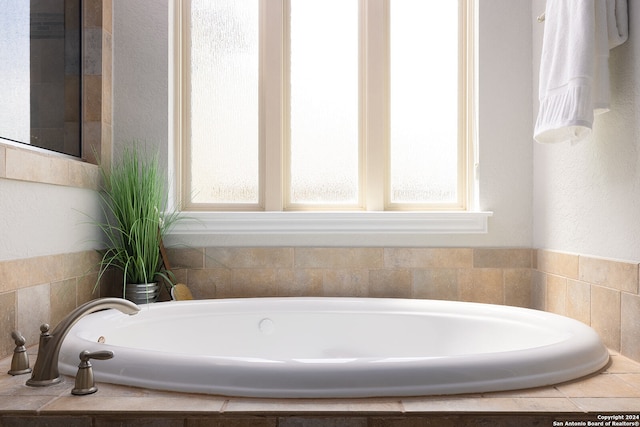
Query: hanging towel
x=574 y=67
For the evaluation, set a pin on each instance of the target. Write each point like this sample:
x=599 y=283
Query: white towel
x=574 y=69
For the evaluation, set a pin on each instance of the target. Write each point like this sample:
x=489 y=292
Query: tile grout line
x=578 y=406
x=618 y=376
x=570 y=400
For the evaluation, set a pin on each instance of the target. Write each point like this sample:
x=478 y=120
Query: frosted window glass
x=224 y=101
x=14 y=70
x=324 y=102
x=424 y=103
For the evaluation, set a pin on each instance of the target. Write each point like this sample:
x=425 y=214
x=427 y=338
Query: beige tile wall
x=602 y=293
x=97 y=89
x=499 y=276
x=42 y=290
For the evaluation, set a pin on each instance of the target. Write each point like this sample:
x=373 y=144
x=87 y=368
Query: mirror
x=40 y=74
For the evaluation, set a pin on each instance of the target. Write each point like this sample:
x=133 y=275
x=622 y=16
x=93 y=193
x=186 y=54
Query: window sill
x=301 y=223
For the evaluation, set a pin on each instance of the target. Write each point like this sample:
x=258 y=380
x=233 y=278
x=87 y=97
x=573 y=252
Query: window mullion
x=375 y=48
x=183 y=9
x=463 y=111
x=272 y=98
x=468 y=126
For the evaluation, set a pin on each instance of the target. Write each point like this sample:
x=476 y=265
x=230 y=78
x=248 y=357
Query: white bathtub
x=334 y=347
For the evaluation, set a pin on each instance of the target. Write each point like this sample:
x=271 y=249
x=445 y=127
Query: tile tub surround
x=43 y=290
x=615 y=390
x=589 y=289
x=498 y=276
x=599 y=292
x=602 y=293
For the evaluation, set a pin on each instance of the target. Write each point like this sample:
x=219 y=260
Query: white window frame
x=461 y=218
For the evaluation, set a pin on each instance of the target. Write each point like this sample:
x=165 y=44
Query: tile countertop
x=614 y=390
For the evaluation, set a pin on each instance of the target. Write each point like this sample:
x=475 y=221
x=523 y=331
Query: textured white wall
x=42 y=219
x=141 y=112
x=587 y=195
x=504 y=120
x=140 y=80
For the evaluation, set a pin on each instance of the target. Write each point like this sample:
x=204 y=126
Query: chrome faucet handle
x=20 y=359
x=85 y=383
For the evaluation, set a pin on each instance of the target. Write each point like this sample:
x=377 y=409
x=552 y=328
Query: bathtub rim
x=591 y=354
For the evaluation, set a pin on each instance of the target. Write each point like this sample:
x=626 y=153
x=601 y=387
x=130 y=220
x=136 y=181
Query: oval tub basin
x=334 y=347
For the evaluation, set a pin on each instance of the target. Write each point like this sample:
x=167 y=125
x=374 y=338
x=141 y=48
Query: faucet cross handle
x=85 y=383
x=18 y=339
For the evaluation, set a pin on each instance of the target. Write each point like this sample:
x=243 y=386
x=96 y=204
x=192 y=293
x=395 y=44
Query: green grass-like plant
x=137 y=216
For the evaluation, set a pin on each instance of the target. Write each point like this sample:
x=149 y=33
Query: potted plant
x=137 y=216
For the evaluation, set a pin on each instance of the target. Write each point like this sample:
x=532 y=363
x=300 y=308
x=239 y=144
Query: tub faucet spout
x=45 y=370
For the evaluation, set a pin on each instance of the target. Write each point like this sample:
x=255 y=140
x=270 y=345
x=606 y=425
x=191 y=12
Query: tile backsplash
x=599 y=292
x=498 y=276
x=43 y=290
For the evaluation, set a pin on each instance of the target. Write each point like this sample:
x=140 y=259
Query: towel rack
x=541 y=17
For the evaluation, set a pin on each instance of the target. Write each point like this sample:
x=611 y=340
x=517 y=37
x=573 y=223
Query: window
x=338 y=105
